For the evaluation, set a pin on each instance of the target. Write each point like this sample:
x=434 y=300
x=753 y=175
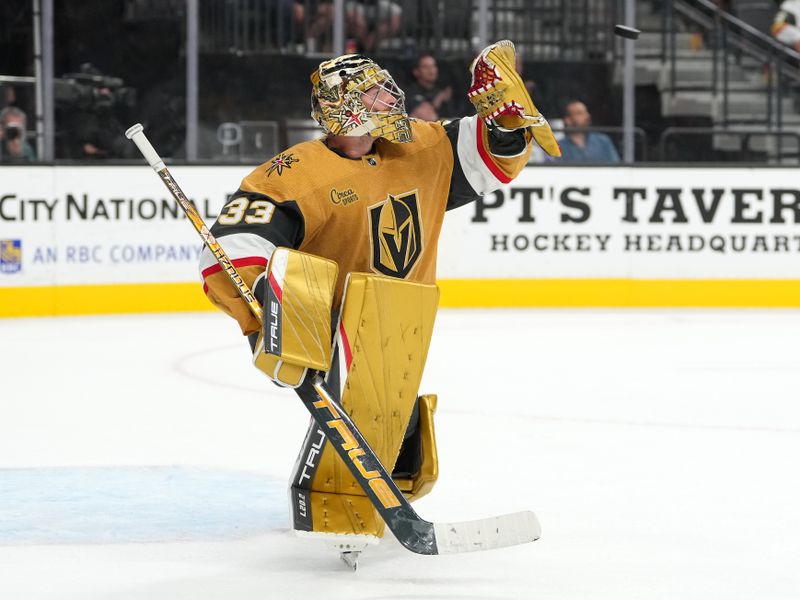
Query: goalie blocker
x=296 y=292
x=374 y=365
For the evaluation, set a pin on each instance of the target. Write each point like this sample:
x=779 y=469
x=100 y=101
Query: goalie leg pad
x=417 y=467
x=383 y=338
x=296 y=332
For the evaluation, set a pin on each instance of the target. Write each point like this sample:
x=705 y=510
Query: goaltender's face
x=378 y=99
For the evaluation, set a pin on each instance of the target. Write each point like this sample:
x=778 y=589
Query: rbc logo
x=10 y=256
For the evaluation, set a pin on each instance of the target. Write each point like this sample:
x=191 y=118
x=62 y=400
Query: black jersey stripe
x=461 y=192
x=285 y=228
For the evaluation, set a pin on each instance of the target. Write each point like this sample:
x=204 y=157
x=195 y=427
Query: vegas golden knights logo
x=395 y=234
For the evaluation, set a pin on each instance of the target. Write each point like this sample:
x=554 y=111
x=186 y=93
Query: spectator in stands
x=90 y=117
x=367 y=22
x=318 y=34
x=373 y=20
x=8 y=95
x=580 y=145
x=785 y=28
x=427 y=98
x=13 y=131
x=95 y=131
x=287 y=18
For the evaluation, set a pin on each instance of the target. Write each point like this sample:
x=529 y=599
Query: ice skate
x=350 y=558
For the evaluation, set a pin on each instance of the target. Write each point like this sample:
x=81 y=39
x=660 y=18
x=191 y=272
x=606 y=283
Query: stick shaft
x=136 y=134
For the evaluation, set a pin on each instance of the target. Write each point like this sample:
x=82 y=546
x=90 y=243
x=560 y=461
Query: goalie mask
x=352 y=95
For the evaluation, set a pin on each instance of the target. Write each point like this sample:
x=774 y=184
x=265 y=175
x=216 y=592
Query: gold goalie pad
x=383 y=337
x=296 y=332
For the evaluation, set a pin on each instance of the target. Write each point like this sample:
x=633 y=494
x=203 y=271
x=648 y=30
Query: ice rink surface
x=142 y=457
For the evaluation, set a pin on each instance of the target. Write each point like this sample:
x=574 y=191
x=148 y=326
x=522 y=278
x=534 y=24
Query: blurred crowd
x=786 y=24
x=777 y=18
x=366 y=22
x=14 y=145
x=92 y=107
x=310 y=23
x=89 y=105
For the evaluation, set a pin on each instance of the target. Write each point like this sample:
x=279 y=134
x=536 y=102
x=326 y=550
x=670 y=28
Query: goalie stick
x=412 y=531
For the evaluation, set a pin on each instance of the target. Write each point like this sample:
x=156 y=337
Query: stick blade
x=487 y=534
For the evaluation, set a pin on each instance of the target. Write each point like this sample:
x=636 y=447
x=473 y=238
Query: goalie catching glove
x=501 y=99
x=296 y=293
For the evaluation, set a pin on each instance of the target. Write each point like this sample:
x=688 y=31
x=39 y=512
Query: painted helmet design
x=342 y=104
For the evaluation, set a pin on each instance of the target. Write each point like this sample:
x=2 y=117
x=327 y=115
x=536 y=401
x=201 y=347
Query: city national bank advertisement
x=555 y=236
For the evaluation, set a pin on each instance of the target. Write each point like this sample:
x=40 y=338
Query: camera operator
x=88 y=102
x=13 y=130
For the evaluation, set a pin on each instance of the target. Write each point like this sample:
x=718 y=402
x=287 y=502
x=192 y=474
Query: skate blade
x=350 y=558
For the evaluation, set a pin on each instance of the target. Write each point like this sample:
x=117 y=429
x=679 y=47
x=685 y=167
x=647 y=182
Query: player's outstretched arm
x=501 y=99
x=491 y=148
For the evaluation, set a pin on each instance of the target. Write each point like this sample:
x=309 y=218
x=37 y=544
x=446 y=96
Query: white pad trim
x=278 y=263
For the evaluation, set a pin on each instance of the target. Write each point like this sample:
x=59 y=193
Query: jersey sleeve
x=485 y=158
x=249 y=228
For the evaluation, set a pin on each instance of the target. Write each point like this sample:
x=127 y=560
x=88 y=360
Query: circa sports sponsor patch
x=284 y=160
x=343 y=197
x=395 y=234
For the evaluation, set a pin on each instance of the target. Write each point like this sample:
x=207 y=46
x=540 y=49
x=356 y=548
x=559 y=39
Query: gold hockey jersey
x=381 y=213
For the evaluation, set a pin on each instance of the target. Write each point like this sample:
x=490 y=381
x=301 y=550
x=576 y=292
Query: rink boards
x=77 y=240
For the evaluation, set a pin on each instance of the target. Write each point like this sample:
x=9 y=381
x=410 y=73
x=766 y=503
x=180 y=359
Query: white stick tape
x=136 y=133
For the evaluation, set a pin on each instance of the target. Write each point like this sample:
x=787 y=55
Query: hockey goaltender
x=349 y=225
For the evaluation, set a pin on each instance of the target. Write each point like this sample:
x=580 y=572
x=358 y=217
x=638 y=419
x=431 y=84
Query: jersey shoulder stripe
x=481 y=142
x=244 y=249
x=488 y=164
x=479 y=170
x=237 y=246
x=250 y=261
x=461 y=192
